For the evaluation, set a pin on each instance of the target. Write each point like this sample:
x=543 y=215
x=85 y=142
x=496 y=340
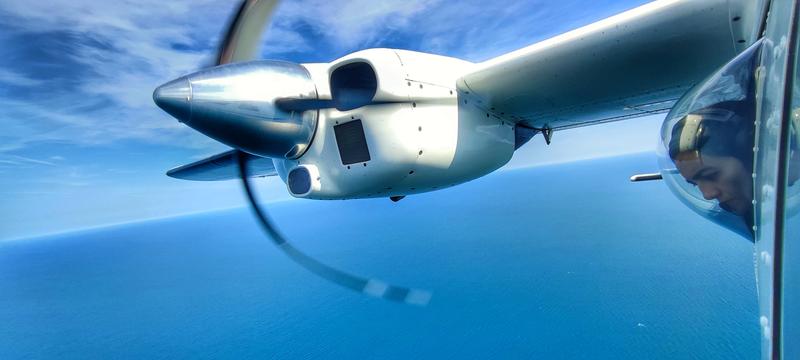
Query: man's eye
x=711 y=176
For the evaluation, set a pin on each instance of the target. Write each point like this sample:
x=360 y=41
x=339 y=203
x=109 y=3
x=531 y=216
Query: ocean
x=565 y=261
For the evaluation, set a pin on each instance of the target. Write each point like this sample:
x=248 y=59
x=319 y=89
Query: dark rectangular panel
x=351 y=142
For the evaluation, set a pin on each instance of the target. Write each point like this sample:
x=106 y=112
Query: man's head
x=713 y=149
x=707 y=140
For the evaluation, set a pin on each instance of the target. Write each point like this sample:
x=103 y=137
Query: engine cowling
x=397 y=126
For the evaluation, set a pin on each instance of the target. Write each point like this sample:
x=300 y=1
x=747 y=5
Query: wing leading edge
x=636 y=63
x=223 y=167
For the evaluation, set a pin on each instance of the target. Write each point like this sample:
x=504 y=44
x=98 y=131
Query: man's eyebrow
x=702 y=173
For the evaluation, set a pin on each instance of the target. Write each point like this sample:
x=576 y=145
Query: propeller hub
x=174 y=97
x=236 y=104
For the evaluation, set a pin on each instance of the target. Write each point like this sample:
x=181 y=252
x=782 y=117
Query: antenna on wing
x=646 y=177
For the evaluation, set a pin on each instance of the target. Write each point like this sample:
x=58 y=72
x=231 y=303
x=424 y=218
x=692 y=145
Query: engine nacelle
x=399 y=127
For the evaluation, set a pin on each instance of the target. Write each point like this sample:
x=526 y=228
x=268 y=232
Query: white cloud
x=355 y=23
x=129 y=48
x=17 y=160
x=16 y=79
x=29 y=123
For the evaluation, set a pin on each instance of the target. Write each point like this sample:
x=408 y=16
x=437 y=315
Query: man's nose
x=710 y=192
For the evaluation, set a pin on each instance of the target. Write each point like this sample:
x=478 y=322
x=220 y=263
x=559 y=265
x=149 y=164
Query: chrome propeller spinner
x=236 y=105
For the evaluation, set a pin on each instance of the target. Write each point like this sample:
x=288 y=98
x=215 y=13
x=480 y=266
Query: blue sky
x=83 y=145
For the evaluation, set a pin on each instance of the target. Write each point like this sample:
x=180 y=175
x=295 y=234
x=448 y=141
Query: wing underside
x=632 y=64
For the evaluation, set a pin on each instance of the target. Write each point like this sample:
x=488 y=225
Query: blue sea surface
x=568 y=261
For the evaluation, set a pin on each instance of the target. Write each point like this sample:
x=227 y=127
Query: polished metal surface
x=173 y=97
x=235 y=104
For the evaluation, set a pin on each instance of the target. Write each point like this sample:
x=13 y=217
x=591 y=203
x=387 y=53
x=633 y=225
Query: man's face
x=722 y=178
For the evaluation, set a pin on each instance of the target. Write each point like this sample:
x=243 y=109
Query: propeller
x=245 y=31
x=371 y=287
x=241 y=43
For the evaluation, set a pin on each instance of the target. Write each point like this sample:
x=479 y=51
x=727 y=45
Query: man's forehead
x=688 y=163
x=688 y=157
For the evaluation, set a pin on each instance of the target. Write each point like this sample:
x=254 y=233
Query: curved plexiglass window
x=706 y=154
x=791 y=223
x=770 y=120
x=791 y=247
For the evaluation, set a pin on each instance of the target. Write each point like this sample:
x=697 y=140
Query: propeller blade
x=245 y=32
x=372 y=287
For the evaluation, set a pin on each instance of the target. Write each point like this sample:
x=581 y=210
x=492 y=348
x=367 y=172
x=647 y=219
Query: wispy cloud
x=30 y=160
x=10 y=78
x=348 y=24
x=471 y=29
x=97 y=88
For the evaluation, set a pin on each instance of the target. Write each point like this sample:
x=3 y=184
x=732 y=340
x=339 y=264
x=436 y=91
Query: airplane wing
x=223 y=166
x=636 y=63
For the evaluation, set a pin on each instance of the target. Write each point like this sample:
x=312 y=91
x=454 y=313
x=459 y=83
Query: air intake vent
x=299 y=181
x=353 y=85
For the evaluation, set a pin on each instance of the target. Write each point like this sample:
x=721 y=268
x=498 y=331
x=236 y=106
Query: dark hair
x=733 y=136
